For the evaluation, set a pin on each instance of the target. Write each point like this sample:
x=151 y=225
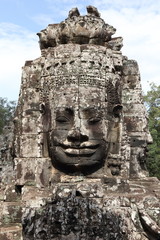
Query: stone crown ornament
x=89 y=29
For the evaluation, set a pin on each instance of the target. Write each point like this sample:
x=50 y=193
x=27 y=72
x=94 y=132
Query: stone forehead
x=80 y=96
x=74 y=55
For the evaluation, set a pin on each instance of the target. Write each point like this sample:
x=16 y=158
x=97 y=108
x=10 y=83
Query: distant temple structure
x=73 y=166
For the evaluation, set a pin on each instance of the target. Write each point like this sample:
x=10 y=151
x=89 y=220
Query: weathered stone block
x=11 y=214
x=11 y=194
x=11 y=233
x=30 y=145
x=33 y=171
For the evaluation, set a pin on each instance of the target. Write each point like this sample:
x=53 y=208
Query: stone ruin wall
x=115 y=201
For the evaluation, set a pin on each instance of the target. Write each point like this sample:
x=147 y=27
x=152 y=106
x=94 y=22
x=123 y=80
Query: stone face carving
x=82 y=109
x=78 y=138
x=77 y=169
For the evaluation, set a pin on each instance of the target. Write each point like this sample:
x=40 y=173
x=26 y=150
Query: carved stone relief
x=80 y=140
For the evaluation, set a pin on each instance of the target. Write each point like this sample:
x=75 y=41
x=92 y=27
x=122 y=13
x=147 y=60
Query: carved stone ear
x=117 y=110
x=42 y=108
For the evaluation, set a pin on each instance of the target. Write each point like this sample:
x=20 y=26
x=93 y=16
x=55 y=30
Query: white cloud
x=143 y=5
x=16 y=46
x=140 y=31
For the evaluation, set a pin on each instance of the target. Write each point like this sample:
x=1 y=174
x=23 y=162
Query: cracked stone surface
x=73 y=165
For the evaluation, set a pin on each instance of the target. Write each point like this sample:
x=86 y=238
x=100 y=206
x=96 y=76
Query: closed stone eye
x=93 y=121
x=62 y=119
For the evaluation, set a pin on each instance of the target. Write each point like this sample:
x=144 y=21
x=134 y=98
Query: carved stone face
x=78 y=139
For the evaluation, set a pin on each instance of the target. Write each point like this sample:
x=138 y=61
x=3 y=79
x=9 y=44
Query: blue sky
x=137 y=21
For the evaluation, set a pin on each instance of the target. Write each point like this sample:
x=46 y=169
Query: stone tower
x=77 y=163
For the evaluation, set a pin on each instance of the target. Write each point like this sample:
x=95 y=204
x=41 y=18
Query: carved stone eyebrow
x=66 y=109
x=93 y=112
x=89 y=109
x=69 y=110
x=92 y=109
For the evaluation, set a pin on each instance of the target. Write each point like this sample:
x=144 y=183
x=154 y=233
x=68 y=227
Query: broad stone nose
x=76 y=136
x=78 y=133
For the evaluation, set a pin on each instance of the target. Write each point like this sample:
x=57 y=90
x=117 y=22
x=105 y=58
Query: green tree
x=152 y=101
x=6 y=112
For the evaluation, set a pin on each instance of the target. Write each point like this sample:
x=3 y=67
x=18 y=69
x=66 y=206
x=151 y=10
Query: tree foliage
x=152 y=101
x=6 y=112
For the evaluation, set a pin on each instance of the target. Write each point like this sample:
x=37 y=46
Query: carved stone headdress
x=77 y=29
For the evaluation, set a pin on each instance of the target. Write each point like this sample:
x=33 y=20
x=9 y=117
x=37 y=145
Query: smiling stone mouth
x=80 y=150
x=79 y=147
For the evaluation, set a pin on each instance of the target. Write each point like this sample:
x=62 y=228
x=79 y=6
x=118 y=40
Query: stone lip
x=88 y=29
x=80 y=149
x=81 y=152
